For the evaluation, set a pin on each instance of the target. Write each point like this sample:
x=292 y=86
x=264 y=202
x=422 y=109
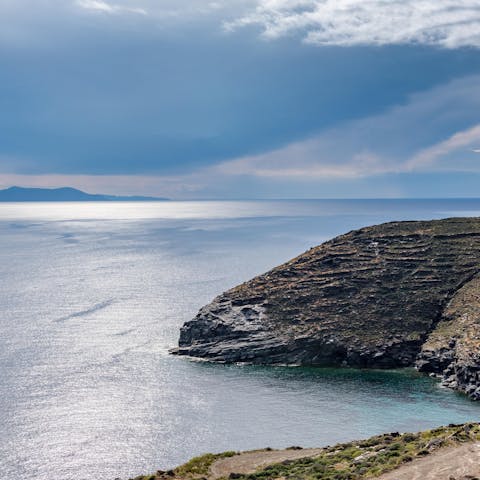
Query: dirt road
x=251 y=461
x=446 y=464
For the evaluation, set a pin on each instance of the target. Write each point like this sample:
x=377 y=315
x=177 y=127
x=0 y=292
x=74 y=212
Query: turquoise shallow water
x=92 y=296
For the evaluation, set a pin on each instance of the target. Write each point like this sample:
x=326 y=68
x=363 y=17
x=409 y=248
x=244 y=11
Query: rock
x=475 y=395
x=434 y=444
x=386 y=296
x=453 y=347
x=364 y=456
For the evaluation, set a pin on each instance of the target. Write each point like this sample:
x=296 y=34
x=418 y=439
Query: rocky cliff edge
x=392 y=295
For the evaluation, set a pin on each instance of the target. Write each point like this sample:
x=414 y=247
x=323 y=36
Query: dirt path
x=446 y=464
x=251 y=461
x=456 y=462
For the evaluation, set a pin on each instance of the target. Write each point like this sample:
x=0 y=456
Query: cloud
x=313 y=158
x=444 y=23
x=167 y=9
x=463 y=140
x=432 y=132
x=114 y=93
x=425 y=134
x=102 y=6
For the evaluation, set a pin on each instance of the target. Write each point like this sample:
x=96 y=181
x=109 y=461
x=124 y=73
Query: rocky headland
x=393 y=295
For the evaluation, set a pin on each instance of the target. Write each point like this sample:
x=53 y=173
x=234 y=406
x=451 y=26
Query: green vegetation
x=368 y=458
x=349 y=461
x=195 y=468
x=200 y=465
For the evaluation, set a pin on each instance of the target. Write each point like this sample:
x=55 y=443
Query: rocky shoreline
x=392 y=295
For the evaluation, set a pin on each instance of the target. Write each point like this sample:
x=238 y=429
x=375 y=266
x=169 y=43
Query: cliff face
x=452 y=350
x=381 y=296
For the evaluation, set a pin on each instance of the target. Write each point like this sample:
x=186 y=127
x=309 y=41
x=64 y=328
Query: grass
x=201 y=465
x=357 y=460
x=196 y=468
x=368 y=458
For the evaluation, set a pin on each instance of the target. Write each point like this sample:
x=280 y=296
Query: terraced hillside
x=370 y=298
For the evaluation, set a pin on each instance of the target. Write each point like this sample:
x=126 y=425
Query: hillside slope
x=445 y=453
x=371 y=298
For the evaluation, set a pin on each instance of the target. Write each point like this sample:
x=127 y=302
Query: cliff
x=392 y=295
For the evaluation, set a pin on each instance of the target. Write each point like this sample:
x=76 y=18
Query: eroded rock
x=370 y=298
x=452 y=350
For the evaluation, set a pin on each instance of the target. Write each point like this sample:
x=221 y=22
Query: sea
x=92 y=296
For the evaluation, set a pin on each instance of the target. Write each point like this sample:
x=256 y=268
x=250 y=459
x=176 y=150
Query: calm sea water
x=92 y=296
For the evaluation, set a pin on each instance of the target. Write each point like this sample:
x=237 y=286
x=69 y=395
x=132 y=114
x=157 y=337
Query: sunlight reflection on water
x=93 y=296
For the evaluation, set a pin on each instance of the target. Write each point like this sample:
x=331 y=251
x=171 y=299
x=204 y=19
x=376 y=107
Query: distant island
x=66 y=194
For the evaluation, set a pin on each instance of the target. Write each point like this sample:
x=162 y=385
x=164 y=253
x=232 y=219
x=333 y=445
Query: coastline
x=391 y=295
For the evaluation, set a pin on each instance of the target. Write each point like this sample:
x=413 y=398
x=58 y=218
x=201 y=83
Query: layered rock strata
x=391 y=295
x=452 y=350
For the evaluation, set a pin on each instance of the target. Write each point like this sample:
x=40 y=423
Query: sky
x=199 y=99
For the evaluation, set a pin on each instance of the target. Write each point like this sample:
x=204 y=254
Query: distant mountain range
x=65 y=194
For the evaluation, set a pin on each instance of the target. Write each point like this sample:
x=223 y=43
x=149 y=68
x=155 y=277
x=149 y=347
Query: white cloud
x=348 y=156
x=313 y=158
x=460 y=141
x=166 y=9
x=403 y=139
x=444 y=23
x=103 y=6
